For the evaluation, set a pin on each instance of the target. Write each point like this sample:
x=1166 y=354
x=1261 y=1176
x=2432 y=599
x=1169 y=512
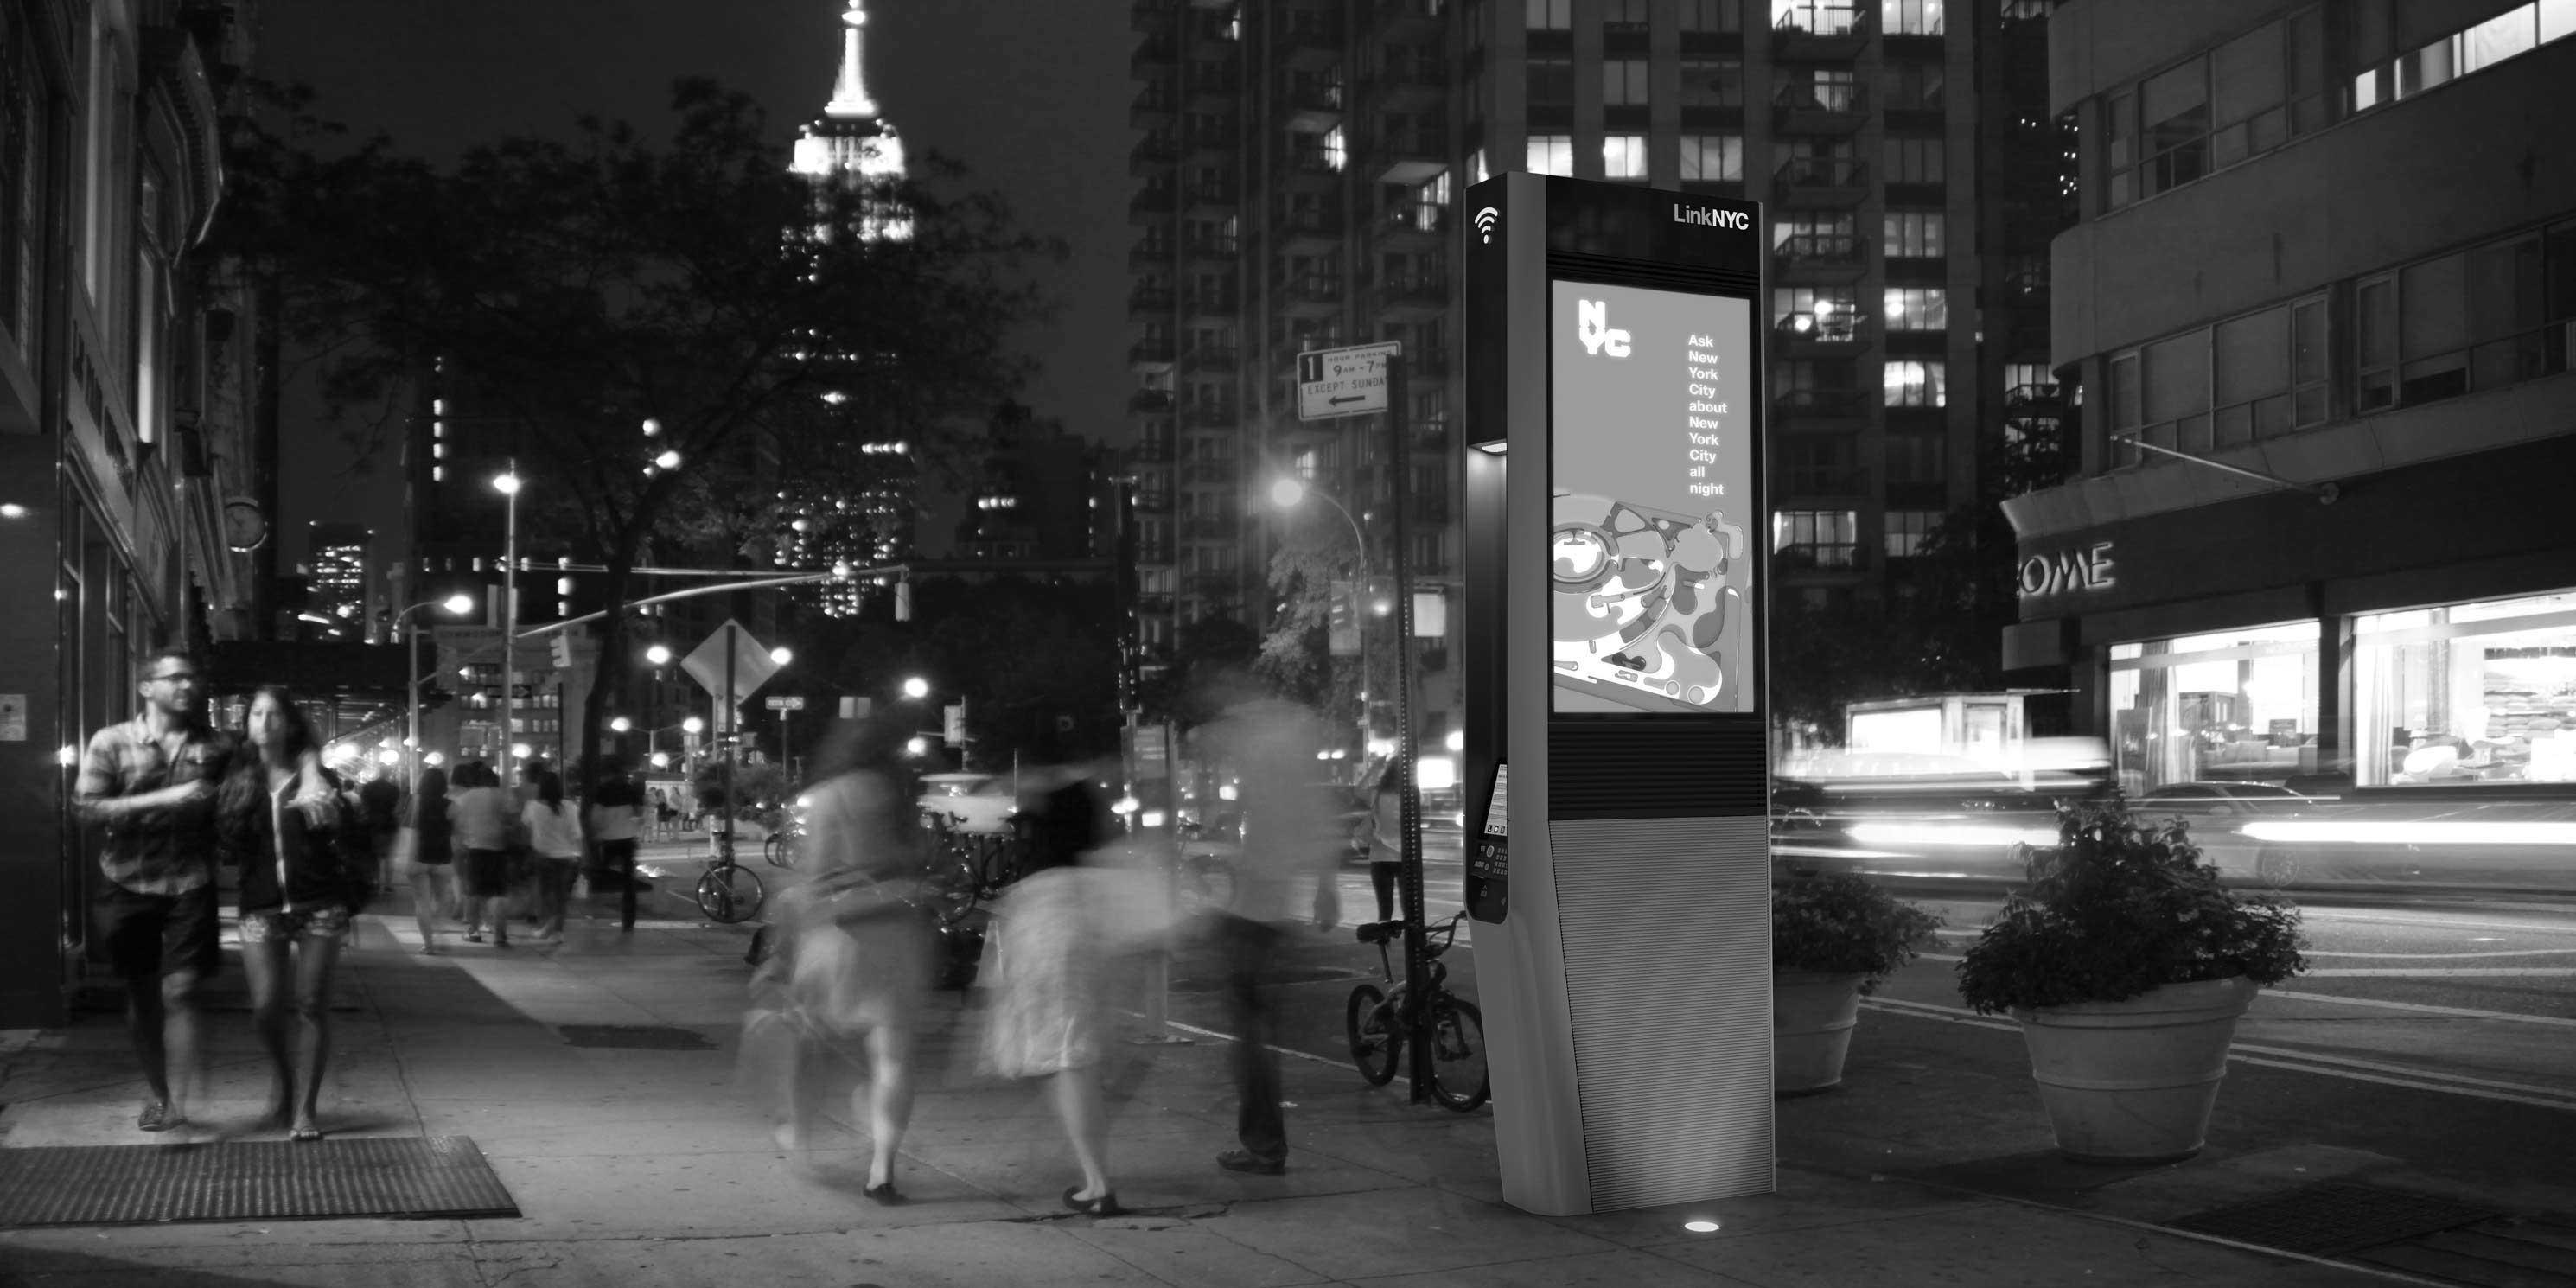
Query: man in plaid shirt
x=150 y=783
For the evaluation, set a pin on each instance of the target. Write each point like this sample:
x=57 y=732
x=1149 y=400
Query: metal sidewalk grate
x=442 y=1176
x=2333 y=1219
x=635 y=1037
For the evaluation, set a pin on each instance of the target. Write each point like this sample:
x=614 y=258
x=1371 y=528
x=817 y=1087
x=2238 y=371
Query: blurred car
x=970 y=802
x=2215 y=812
x=2423 y=839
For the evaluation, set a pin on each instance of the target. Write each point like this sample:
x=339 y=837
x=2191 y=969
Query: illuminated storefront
x=2237 y=705
x=2460 y=694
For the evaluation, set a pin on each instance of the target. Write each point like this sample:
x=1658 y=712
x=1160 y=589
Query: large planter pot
x=2133 y=1081
x=1812 y=1015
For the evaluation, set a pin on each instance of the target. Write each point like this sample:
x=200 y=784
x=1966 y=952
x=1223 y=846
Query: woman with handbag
x=302 y=856
x=423 y=849
x=855 y=953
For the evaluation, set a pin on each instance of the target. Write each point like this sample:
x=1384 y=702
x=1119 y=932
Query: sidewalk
x=642 y=1167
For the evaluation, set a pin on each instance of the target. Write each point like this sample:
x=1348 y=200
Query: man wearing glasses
x=150 y=783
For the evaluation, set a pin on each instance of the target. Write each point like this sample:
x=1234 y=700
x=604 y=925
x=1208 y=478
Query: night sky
x=1030 y=94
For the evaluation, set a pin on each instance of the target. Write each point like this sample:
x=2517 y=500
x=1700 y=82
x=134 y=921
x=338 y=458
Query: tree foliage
x=573 y=289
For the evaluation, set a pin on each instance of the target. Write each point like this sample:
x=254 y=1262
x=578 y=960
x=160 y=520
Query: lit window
x=1623 y=156
x=1712 y=158
x=1816 y=538
x=1917 y=384
x=1551 y=154
x=1906 y=530
x=1916 y=308
x=1911 y=17
x=1712 y=15
x=1914 y=234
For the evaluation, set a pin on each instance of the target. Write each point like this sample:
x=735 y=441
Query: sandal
x=303 y=1133
x=883 y=1192
x=1105 y=1205
x=158 y=1115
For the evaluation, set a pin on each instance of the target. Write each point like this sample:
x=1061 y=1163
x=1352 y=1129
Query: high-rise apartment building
x=343 y=581
x=1293 y=189
x=2320 y=301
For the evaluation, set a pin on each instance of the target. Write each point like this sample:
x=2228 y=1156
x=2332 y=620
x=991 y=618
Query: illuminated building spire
x=850 y=95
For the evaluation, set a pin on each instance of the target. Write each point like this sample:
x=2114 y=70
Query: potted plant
x=1834 y=939
x=2127 y=964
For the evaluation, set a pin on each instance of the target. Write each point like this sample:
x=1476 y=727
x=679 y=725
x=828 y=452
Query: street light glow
x=620 y=724
x=782 y=655
x=917 y=746
x=916 y=688
x=658 y=655
x=459 y=603
x=661 y=760
x=521 y=751
x=506 y=484
x=651 y=427
x=668 y=460
x=1287 y=492
x=693 y=725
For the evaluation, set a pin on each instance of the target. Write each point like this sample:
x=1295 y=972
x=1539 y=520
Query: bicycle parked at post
x=967 y=867
x=1378 y=1023
x=729 y=892
x=785 y=843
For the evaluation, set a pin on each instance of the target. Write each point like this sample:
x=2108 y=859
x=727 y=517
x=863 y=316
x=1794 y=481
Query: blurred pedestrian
x=616 y=816
x=303 y=863
x=380 y=797
x=1049 y=1017
x=150 y=783
x=1386 y=841
x=554 y=852
x=483 y=817
x=430 y=859
x=854 y=953
x=1270 y=746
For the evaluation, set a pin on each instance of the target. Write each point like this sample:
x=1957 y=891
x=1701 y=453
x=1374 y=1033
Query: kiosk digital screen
x=1651 y=491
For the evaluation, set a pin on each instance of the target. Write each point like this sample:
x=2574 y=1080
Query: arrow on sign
x=1338 y=401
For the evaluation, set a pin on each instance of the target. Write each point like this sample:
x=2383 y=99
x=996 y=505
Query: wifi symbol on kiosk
x=1485 y=221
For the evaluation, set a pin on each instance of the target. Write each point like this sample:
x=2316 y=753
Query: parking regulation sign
x=1343 y=382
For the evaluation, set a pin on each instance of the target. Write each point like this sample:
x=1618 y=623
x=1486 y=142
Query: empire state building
x=850 y=142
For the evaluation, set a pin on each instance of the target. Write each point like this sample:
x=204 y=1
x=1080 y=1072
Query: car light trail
x=1962 y=835
x=2358 y=832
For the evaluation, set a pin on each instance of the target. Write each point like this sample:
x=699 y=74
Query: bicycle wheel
x=954 y=891
x=730 y=893
x=1375 y=1041
x=780 y=849
x=1458 y=1076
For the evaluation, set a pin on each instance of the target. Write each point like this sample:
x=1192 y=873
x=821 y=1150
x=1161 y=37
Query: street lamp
x=658 y=655
x=457 y=605
x=507 y=484
x=916 y=688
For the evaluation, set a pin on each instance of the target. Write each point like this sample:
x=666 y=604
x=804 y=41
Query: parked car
x=971 y=802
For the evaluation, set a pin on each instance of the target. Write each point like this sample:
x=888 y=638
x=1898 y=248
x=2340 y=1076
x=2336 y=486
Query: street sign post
x=1344 y=382
x=790 y=702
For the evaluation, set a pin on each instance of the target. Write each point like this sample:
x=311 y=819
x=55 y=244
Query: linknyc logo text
x=1592 y=327
x=1739 y=220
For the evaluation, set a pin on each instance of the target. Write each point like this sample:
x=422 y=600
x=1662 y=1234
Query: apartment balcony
x=1213 y=200
x=1819 y=408
x=1150 y=402
x=1432 y=434
x=1213 y=584
x=1149 y=301
x=1309 y=294
x=1308 y=231
x=1414 y=295
x=1205 y=528
x=1210 y=143
x=1425 y=365
x=1209 y=473
x=1813 y=32
x=1145 y=256
x=1150 y=353
x=1212 y=251
x=1407 y=221
x=1215 y=85
x=1151 y=206
x=1820 y=335
x=1307 y=44
x=1213 y=306
x=1154 y=448
x=1311 y=108
x=1409 y=156
x=1405 y=20
x=1152 y=60
x=1808 y=108
x=1152 y=109
x=1409 y=84
x=1211 y=34
x=1211 y=415
x=2035 y=400
x=1153 y=156
x=1213 y=359
x=1158 y=501
x=1821 y=257
x=1821 y=182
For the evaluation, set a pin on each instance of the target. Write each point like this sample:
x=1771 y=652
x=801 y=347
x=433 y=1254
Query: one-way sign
x=1343 y=382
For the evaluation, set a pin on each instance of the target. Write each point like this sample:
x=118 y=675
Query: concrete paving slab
x=226 y=1244
x=970 y=1256
x=1804 y=1201
x=1996 y=1245
x=1396 y=1231
x=1190 y=1254
x=1628 y=1268
x=701 y=1195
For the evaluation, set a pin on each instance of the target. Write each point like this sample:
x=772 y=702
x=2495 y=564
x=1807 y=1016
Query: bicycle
x=967 y=867
x=783 y=846
x=1377 y=1022
x=729 y=892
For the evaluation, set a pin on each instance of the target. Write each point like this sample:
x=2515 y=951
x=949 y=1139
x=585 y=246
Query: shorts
x=487 y=873
x=148 y=936
x=329 y=922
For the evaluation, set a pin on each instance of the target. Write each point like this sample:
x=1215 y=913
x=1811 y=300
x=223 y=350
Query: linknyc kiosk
x=1618 y=769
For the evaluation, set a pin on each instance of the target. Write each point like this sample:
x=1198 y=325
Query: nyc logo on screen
x=1592 y=327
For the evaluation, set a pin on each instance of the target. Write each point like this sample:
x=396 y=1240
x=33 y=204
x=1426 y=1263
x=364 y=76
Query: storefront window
x=2467 y=693
x=2236 y=706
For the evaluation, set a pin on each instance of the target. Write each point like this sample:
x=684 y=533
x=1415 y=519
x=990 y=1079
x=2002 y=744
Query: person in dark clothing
x=433 y=860
x=297 y=904
x=381 y=800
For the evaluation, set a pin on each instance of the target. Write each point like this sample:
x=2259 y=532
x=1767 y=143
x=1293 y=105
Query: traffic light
x=559 y=647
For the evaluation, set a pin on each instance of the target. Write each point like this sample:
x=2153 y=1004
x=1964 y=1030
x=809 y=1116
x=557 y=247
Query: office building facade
x=2320 y=303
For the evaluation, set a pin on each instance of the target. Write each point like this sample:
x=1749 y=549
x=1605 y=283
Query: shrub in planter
x=2127 y=963
x=1833 y=939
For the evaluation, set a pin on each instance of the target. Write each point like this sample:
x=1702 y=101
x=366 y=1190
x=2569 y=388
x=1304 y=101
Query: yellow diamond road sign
x=752 y=665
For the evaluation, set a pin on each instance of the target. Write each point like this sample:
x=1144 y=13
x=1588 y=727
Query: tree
x=762 y=326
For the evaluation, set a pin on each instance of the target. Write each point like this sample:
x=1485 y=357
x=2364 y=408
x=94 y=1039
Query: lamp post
x=459 y=605
x=507 y=484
